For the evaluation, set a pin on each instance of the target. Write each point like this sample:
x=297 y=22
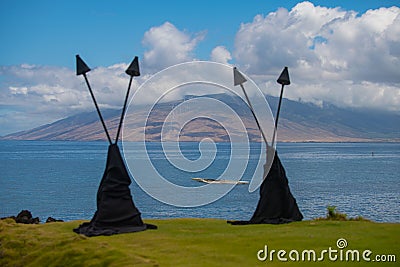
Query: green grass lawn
x=193 y=242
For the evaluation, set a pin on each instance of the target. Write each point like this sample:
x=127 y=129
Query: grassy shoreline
x=191 y=242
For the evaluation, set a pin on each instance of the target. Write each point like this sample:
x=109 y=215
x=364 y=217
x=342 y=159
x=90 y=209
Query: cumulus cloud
x=33 y=95
x=220 y=54
x=168 y=46
x=333 y=54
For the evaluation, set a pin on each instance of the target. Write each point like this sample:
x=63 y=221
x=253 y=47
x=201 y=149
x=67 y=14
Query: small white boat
x=213 y=181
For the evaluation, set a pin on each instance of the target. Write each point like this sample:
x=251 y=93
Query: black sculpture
x=116 y=213
x=276 y=204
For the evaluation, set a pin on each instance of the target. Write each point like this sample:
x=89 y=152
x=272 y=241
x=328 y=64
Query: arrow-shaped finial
x=81 y=67
x=133 y=69
x=238 y=78
x=284 y=77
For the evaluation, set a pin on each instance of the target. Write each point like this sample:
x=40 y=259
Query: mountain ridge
x=299 y=122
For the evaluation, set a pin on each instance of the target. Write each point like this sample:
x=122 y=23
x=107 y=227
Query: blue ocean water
x=60 y=179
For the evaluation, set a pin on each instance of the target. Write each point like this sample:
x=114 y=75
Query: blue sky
x=108 y=32
x=342 y=52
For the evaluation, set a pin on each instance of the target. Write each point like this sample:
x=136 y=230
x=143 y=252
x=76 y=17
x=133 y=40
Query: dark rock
x=51 y=219
x=25 y=216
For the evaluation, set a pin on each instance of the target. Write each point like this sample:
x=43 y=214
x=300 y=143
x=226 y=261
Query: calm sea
x=60 y=179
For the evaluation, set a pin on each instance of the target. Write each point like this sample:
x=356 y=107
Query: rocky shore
x=25 y=217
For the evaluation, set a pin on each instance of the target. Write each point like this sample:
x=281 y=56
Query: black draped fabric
x=116 y=213
x=276 y=204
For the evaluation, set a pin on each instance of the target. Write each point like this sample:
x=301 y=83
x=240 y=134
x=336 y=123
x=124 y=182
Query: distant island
x=299 y=122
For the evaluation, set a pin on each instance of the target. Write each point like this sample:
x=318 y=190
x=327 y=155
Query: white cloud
x=281 y=38
x=168 y=46
x=220 y=54
x=333 y=55
x=33 y=95
x=18 y=90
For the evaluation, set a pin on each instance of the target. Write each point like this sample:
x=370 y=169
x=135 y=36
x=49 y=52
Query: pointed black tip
x=133 y=69
x=238 y=78
x=284 y=77
x=81 y=67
